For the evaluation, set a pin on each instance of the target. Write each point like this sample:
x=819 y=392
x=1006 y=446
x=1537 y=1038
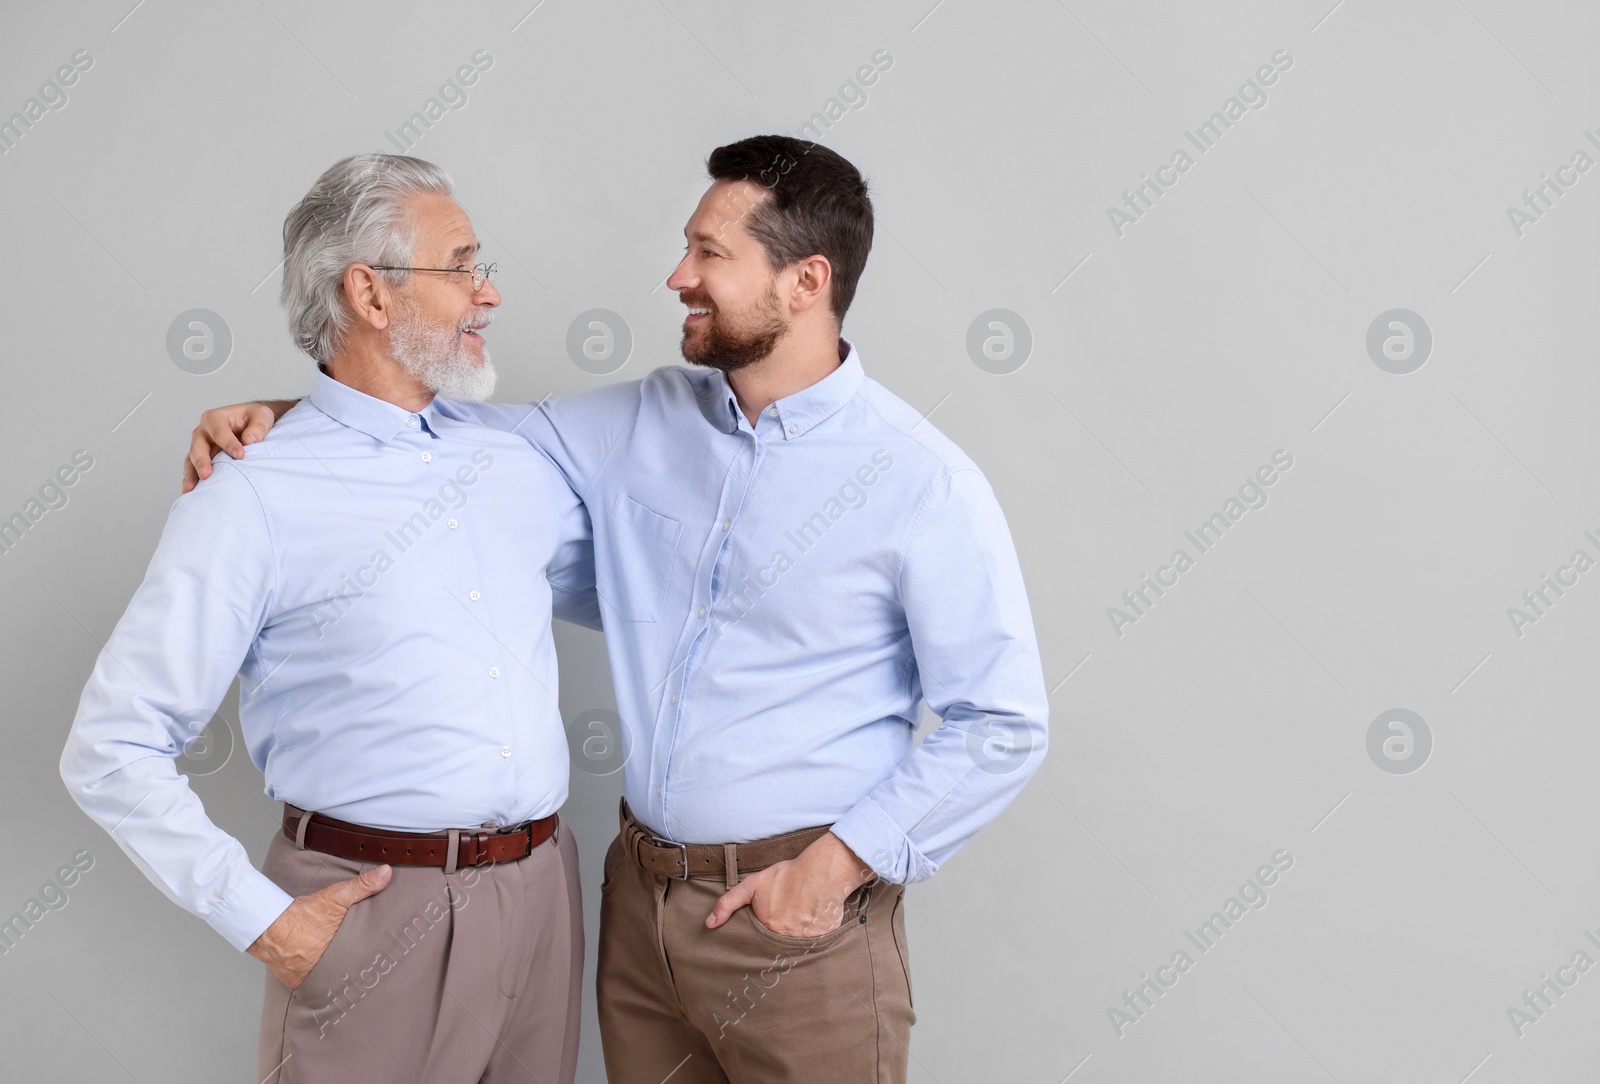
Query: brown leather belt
x=667 y=858
x=451 y=849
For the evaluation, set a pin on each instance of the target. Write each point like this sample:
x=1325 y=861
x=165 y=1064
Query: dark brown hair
x=816 y=204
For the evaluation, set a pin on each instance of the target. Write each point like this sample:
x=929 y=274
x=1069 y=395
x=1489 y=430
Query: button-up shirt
x=377 y=579
x=779 y=599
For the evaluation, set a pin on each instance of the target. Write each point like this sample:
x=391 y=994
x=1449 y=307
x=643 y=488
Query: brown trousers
x=474 y=978
x=682 y=1004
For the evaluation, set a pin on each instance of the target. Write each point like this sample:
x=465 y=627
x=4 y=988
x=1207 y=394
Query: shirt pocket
x=635 y=570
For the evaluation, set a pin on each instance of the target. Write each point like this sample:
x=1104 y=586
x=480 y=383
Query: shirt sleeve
x=155 y=686
x=977 y=660
x=505 y=417
x=578 y=433
x=571 y=571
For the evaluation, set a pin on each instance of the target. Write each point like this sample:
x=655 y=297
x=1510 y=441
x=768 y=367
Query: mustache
x=476 y=322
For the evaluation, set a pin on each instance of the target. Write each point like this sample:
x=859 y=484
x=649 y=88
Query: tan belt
x=668 y=858
x=451 y=849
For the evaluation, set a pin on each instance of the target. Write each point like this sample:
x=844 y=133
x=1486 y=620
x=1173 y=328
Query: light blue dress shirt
x=779 y=600
x=378 y=581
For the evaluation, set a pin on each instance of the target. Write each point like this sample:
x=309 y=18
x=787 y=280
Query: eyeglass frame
x=477 y=269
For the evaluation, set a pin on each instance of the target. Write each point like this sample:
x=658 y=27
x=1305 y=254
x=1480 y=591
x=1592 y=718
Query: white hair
x=353 y=214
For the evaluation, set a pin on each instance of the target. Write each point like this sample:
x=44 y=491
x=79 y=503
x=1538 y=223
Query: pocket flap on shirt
x=631 y=511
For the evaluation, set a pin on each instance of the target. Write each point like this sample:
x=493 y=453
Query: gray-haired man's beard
x=436 y=355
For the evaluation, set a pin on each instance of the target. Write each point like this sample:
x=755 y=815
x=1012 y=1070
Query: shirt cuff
x=880 y=843
x=248 y=909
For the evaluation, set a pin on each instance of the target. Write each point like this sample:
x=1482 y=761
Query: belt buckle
x=525 y=831
x=683 y=849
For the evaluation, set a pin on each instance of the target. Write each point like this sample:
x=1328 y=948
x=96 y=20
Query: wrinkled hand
x=296 y=940
x=228 y=429
x=803 y=897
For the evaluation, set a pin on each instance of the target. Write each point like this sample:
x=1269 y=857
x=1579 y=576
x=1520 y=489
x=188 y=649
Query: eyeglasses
x=480 y=272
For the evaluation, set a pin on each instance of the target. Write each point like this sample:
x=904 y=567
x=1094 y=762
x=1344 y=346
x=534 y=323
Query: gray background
x=1167 y=364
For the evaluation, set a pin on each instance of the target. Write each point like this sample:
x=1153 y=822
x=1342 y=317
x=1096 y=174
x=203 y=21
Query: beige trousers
x=475 y=977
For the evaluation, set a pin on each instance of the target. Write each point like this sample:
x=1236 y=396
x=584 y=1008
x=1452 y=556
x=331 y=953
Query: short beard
x=729 y=349
x=436 y=356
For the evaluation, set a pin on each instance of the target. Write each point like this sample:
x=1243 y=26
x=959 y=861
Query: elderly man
x=381 y=578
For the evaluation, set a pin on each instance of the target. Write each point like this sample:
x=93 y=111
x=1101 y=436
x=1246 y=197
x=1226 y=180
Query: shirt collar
x=719 y=404
x=812 y=406
x=359 y=411
x=802 y=411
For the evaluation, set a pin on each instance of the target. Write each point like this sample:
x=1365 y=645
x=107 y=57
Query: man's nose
x=681 y=278
x=488 y=297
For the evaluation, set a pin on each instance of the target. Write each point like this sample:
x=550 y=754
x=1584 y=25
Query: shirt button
x=474 y=596
x=452 y=524
x=411 y=422
x=505 y=750
x=674 y=698
x=427 y=457
x=726 y=524
x=794 y=429
x=494 y=671
x=702 y=611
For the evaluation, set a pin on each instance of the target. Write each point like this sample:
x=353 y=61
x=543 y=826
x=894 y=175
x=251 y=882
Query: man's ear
x=813 y=279
x=370 y=298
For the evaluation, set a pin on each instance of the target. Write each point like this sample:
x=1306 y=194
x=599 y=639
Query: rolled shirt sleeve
x=164 y=670
x=977 y=659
